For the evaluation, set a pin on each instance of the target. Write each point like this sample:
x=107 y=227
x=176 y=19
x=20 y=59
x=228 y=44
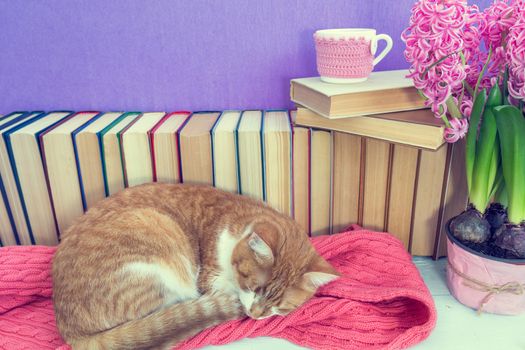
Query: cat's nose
x=256 y=312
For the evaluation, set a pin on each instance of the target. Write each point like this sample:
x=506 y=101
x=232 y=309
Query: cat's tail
x=165 y=327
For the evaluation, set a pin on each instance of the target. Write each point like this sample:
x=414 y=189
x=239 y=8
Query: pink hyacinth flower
x=516 y=55
x=458 y=129
x=435 y=35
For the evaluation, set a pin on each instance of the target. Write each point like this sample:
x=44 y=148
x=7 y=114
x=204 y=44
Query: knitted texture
x=343 y=58
x=380 y=302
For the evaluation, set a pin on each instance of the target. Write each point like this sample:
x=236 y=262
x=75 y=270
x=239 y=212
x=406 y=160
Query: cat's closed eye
x=283 y=312
x=286 y=307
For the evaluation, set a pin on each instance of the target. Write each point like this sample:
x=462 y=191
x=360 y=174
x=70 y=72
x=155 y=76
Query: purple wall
x=172 y=54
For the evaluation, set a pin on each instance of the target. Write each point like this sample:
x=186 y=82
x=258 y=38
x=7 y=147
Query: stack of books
x=385 y=107
x=366 y=144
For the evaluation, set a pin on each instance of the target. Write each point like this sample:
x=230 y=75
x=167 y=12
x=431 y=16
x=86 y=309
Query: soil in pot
x=488 y=248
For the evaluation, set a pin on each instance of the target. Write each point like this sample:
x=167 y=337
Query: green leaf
x=495 y=97
x=494 y=167
x=472 y=135
x=498 y=185
x=486 y=162
x=511 y=130
x=501 y=195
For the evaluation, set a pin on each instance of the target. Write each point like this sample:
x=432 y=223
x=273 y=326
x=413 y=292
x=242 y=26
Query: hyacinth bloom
x=435 y=35
x=516 y=56
x=448 y=44
x=498 y=19
x=457 y=130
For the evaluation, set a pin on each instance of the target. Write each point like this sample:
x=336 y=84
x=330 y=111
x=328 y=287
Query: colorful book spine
x=75 y=148
x=4 y=203
x=101 y=135
x=177 y=136
x=263 y=158
x=151 y=138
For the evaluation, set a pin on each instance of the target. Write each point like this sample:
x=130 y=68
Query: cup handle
x=386 y=50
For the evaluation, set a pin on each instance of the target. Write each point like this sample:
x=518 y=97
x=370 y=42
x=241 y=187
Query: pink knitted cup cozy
x=343 y=58
x=380 y=302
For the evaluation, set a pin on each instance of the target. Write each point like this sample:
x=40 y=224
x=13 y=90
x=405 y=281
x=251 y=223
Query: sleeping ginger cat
x=158 y=263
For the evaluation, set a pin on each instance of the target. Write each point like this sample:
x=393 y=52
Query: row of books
x=54 y=166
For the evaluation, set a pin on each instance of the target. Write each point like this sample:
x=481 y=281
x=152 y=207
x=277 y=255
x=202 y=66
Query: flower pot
x=485 y=283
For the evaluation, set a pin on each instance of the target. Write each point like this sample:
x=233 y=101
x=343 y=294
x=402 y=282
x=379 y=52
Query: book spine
x=290 y=132
x=151 y=138
x=19 y=113
x=151 y=141
x=120 y=138
x=263 y=160
x=213 y=148
x=177 y=138
x=331 y=201
x=39 y=139
x=5 y=201
x=100 y=137
x=77 y=161
x=237 y=155
x=309 y=181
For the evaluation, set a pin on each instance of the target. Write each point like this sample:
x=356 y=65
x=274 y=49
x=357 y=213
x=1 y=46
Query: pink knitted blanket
x=381 y=301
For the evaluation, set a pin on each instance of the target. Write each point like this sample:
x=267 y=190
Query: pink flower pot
x=485 y=283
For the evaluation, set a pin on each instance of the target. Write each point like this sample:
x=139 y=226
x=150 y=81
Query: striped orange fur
x=157 y=263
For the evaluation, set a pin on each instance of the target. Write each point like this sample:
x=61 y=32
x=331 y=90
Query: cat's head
x=277 y=270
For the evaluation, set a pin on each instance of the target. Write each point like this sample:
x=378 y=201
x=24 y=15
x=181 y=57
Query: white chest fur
x=225 y=279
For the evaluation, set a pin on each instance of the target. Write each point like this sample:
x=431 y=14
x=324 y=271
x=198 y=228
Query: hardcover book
x=135 y=149
x=165 y=147
x=382 y=92
x=320 y=183
x=195 y=148
x=301 y=177
x=60 y=165
x=414 y=128
x=112 y=166
x=89 y=156
x=224 y=143
x=10 y=226
x=31 y=182
x=277 y=150
x=250 y=155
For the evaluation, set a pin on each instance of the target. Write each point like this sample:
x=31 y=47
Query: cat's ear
x=261 y=249
x=319 y=273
